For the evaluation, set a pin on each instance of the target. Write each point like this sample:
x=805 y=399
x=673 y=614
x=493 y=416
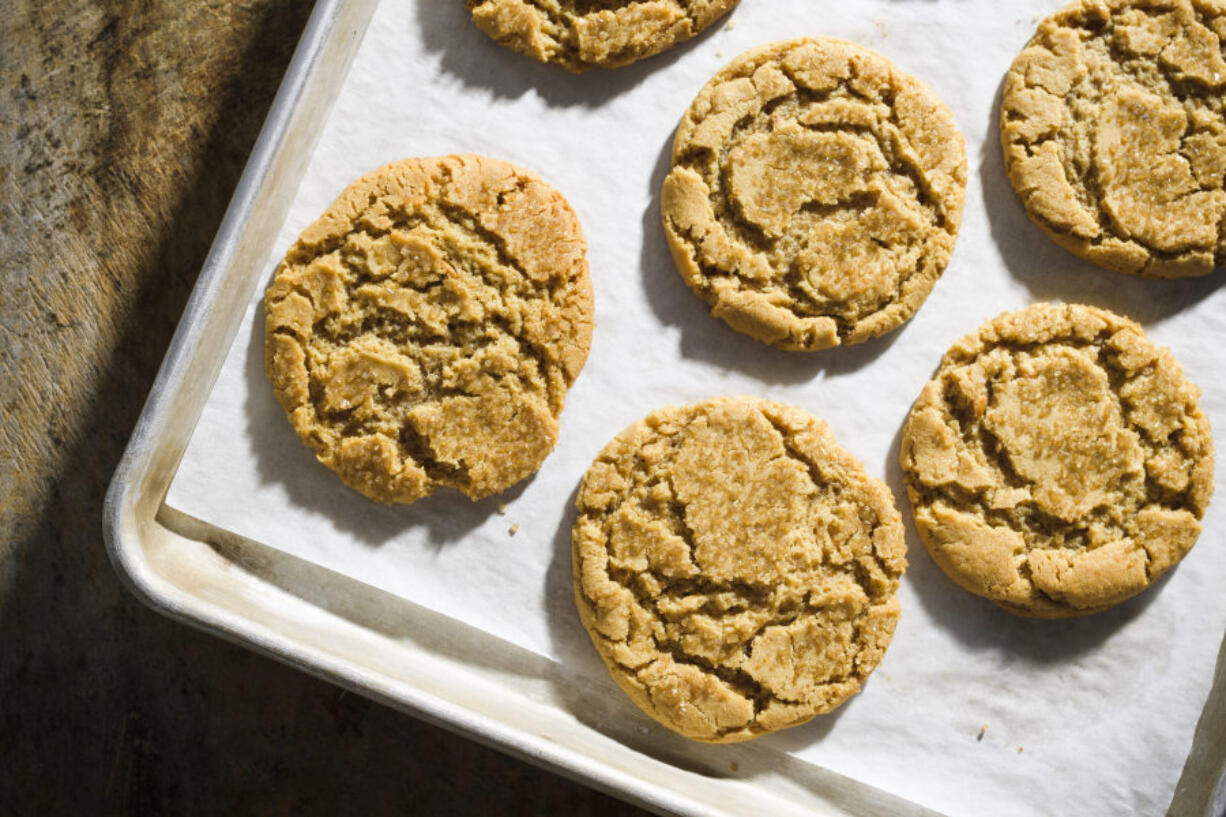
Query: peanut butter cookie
x=815 y=194
x=1058 y=463
x=425 y=329
x=735 y=567
x=1114 y=130
x=583 y=34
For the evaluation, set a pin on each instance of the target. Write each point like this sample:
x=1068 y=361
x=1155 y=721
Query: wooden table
x=124 y=126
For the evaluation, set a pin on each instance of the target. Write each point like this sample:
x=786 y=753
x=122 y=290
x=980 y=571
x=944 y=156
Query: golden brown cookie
x=424 y=330
x=1114 y=130
x=735 y=567
x=584 y=34
x=815 y=194
x=1058 y=463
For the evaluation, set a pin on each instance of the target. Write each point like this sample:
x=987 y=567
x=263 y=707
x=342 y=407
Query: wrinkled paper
x=973 y=711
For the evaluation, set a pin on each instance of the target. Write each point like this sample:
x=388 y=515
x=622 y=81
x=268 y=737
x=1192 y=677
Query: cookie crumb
x=983 y=730
x=514 y=529
x=502 y=509
x=1019 y=750
x=731 y=25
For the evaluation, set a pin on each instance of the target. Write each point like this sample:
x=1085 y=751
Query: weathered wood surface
x=124 y=125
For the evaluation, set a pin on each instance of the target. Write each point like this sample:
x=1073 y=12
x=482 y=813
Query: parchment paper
x=1088 y=717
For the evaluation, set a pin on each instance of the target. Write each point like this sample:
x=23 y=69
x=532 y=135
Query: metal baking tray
x=390 y=649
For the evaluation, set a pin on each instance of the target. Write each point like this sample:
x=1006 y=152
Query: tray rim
x=130 y=511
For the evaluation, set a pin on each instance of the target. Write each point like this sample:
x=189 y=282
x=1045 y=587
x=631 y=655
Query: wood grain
x=123 y=128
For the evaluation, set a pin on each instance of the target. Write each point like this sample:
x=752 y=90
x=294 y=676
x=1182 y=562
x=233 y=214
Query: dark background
x=124 y=127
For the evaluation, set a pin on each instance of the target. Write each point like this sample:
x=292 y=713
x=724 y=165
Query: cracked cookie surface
x=1058 y=463
x=815 y=194
x=424 y=331
x=735 y=568
x=583 y=34
x=1113 y=123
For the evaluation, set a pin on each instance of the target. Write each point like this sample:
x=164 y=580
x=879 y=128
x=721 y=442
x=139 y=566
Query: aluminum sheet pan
x=423 y=82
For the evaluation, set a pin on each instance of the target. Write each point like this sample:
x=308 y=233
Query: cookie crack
x=753 y=592
x=925 y=195
x=826 y=488
x=415 y=447
x=404 y=330
x=742 y=682
x=715 y=168
x=1026 y=515
x=471 y=224
x=681 y=525
x=542 y=361
x=550 y=289
x=736 y=678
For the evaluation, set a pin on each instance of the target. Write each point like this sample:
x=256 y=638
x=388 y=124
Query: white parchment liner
x=1092 y=717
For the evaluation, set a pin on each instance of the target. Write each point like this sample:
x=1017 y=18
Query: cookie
x=815 y=194
x=424 y=331
x=1113 y=122
x=580 y=34
x=1058 y=463
x=735 y=568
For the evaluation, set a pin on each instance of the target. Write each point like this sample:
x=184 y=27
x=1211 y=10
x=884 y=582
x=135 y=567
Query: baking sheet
x=1097 y=712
